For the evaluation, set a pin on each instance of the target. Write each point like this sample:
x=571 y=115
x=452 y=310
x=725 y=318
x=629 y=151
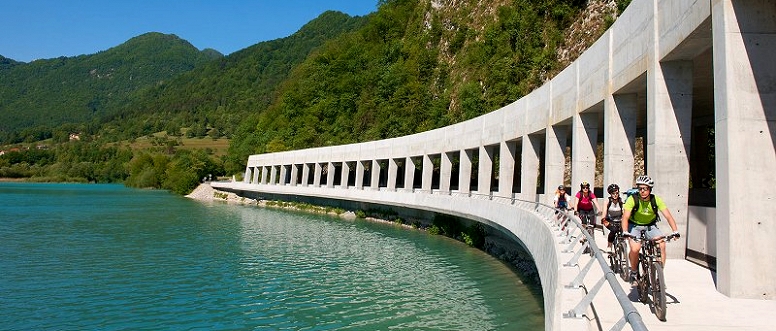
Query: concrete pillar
x=554 y=157
x=282 y=177
x=485 y=171
x=529 y=169
x=744 y=38
x=669 y=121
x=359 y=175
x=583 y=146
x=345 y=175
x=305 y=174
x=330 y=175
x=257 y=175
x=393 y=173
x=428 y=173
x=465 y=173
x=506 y=172
x=317 y=175
x=273 y=176
x=409 y=173
x=620 y=115
x=375 y=180
x=294 y=174
x=445 y=172
x=247 y=176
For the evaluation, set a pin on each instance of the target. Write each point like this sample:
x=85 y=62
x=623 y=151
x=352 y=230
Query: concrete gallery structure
x=693 y=81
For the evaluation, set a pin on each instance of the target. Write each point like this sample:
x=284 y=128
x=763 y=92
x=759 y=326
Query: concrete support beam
x=445 y=172
x=620 y=112
x=294 y=174
x=393 y=168
x=375 y=180
x=554 y=157
x=282 y=177
x=529 y=170
x=360 y=175
x=247 y=176
x=744 y=38
x=465 y=172
x=485 y=171
x=273 y=176
x=506 y=172
x=345 y=175
x=428 y=173
x=330 y=174
x=317 y=175
x=583 y=148
x=305 y=174
x=409 y=173
x=669 y=121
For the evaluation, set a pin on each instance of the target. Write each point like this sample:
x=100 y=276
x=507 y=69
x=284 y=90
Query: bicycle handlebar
x=669 y=237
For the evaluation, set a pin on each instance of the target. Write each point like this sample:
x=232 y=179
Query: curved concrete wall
x=640 y=78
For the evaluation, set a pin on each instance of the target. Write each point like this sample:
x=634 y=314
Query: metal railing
x=570 y=228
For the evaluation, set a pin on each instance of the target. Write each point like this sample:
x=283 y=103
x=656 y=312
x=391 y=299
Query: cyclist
x=562 y=198
x=586 y=204
x=613 y=213
x=645 y=218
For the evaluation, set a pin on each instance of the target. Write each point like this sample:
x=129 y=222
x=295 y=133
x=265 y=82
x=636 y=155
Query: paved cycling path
x=693 y=302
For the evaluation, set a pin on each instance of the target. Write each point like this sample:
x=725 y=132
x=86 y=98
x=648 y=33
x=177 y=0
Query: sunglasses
x=643 y=188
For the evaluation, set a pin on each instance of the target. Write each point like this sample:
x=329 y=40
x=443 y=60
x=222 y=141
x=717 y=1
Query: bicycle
x=586 y=218
x=618 y=257
x=650 y=280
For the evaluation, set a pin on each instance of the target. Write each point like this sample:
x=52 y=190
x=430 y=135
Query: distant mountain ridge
x=52 y=92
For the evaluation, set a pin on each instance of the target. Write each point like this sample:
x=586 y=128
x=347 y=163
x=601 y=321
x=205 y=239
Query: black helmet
x=584 y=184
x=561 y=187
x=612 y=188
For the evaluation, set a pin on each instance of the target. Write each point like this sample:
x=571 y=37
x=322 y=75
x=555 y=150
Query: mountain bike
x=618 y=257
x=650 y=280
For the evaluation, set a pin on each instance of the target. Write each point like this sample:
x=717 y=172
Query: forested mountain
x=411 y=66
x=53 y=92
x=216 y=96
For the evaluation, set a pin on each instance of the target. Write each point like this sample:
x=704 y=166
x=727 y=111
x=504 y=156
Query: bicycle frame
x=651 y=282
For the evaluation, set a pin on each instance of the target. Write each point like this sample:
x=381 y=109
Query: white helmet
x=645 y=180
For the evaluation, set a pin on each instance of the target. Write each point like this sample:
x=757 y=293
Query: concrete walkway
x=693 y=303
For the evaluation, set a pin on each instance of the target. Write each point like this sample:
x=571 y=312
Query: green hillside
x=65 y=90
x=409 y=67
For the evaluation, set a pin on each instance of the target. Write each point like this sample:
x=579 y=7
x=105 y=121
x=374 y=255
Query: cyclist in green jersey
x=645 y=218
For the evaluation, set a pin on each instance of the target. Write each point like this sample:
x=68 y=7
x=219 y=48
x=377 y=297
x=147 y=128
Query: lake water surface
x=106 y=257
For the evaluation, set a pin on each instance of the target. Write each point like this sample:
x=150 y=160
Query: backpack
x=633 y=194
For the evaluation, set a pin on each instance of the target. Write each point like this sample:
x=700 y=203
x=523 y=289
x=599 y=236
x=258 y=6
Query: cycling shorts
x=652 y=230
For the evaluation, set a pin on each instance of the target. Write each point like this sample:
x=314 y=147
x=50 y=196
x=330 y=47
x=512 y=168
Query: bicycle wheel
x=614 y=264
x=658 y=290
x=643 y=283
x=621 y=249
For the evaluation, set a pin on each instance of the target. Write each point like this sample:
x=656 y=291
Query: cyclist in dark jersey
x=613 y=213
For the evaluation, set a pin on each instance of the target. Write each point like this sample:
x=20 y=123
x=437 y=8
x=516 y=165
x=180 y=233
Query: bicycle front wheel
x=658 y=290
x=643 y=283
x=621 y=250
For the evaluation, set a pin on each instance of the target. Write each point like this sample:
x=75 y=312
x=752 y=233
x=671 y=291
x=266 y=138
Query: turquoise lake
x=107 y=257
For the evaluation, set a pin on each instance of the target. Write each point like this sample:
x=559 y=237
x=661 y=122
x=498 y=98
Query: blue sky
x=44 y=29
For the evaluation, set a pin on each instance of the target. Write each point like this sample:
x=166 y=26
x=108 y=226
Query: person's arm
x=626 y=213
x=670 y=219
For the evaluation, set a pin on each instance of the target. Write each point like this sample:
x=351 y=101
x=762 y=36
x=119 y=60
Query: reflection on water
x=108 y=257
